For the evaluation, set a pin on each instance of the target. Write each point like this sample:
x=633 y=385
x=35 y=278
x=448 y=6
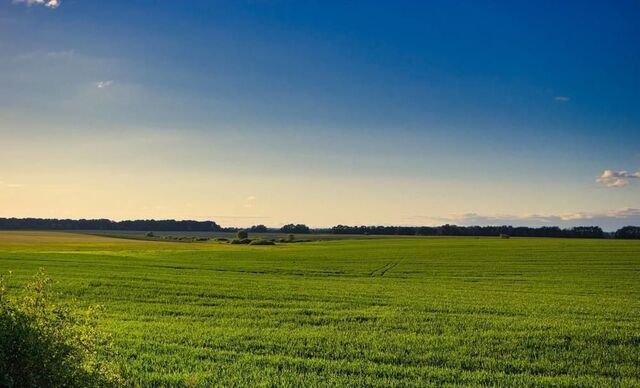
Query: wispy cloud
x=104 y=84
x=614 y=179
x=10 y=185
x=47 y=3
x=62 y=54
x=250 y=201
x=561 y=99
x=45 y=58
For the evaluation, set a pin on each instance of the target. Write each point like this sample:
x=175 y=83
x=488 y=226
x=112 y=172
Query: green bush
x=262 y=241
x=44 y=345
x=241 y=241
x=242 y=235
x=222 y=239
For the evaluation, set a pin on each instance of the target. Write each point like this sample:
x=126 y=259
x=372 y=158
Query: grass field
x=379 y=312
x=231 y=235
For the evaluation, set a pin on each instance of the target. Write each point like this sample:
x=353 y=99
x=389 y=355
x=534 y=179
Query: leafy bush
x=240 y=241
x=262 y=241
x=222 y=239
x=502 y=235
x=44 y=345
x=150 y=234
x=242 y=234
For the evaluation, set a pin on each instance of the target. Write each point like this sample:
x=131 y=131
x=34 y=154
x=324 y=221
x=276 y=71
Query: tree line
x=477 y=231
x=105 y=224
x=627 y=232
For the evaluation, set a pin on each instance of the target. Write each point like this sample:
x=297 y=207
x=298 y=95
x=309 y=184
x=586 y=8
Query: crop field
x=368 y=312
x=137 y=235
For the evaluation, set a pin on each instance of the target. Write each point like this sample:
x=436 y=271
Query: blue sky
x=321 y=112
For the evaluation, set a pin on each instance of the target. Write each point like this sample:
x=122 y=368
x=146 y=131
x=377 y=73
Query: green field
x=378 y=312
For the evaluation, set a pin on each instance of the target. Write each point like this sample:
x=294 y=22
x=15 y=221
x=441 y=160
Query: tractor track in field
x=382 y=270
x=389 y=268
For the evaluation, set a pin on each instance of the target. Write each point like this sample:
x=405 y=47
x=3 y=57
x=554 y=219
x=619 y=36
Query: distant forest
x=627 y=232
x=104 y=224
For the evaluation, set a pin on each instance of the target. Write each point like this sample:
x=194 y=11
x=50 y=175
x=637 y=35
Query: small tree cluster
x=628 y=233
x=297 y=228
x=258 y=229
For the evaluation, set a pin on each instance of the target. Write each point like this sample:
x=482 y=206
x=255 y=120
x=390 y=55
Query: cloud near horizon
x=608 y=220
x=614 y=179
x=10 y=185
x=47 y=3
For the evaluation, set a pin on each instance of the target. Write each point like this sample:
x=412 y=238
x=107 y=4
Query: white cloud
x=613 y=179
x=561 y=98
x=47 y=3
x=104 y=84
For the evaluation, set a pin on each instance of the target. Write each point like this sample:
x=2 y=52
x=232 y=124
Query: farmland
x=379 y=312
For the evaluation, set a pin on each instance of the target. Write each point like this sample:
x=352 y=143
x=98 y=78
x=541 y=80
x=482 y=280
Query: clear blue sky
x=321 y=112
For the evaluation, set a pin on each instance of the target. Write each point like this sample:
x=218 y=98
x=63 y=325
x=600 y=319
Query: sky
x=322 y=112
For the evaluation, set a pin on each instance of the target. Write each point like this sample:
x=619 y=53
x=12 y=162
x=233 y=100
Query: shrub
x=262 y=241
x=222 y=239
x=240 y=241
x=242 y=234
x=502 y=235
x=44 y=345
x=150 y=234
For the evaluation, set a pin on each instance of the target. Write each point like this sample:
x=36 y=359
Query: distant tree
x=258 y=229
x=242 y=234
x=298 y=228
x=586 y=232
x=628 y=233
